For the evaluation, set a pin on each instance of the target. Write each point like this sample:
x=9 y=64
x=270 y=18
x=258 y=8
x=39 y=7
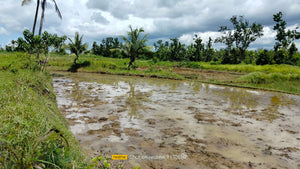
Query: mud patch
x=180 y=124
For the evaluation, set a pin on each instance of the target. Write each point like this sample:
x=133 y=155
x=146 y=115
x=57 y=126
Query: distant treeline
x=236 y=39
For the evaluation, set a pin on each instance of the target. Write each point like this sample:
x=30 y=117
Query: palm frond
x=24 y=2
x=57 y=9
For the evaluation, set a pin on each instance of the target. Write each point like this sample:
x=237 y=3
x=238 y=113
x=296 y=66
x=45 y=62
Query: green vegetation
x=100 y=162
x=242 y=35
x=77 y=47
x=33 y=133
x=285 y=78
x=134 y=44
x=237 y=40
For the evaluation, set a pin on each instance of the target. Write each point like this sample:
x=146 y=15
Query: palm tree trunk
x=132 y=59
x=41 y=24
x=42 y=17
x=36 y=15
x=75 y=60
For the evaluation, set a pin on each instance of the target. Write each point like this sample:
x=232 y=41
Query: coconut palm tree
x=77 y=47
x=24 y=2
x=134 y=43
x=43 y=13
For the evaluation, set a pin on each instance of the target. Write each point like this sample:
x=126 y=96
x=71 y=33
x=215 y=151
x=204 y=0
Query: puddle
x=163 y=123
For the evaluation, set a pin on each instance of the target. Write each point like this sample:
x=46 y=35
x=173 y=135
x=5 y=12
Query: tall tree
x=36 y=12
x=199 y=48
x=242 y=34
x=134 y=43
x=177 y=50
x=284 y=37
x=284 y=46
x=43 y=13
x=77 y=47
x=209 y=51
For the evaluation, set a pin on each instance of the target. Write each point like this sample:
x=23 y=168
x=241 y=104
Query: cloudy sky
x=162 y=19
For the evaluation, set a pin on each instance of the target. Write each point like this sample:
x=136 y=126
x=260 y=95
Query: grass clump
x=33 y=133
x=263 y=78
x=252 y=68
x=255 y=77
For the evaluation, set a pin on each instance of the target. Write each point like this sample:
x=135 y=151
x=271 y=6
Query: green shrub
x=194 y=65
x=255 y=77
x=261 y=78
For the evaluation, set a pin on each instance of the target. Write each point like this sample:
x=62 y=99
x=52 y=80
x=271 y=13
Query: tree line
x=236 y=38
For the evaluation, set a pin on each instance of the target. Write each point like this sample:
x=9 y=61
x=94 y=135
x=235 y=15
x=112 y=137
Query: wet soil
x=163 y=123
x=201 y=74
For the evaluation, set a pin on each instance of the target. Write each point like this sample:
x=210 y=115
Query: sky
x=161 y=19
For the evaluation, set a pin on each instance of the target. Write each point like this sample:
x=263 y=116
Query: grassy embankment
x=284 y=78
x=33 y=133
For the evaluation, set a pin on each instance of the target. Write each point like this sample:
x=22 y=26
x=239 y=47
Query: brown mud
x=162 y=123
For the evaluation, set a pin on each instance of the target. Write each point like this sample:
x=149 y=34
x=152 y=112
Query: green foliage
x=108 y=48
x=33 y=133
x=194 y=65
x=77 y=47
x=242 y=35
x=255 y=77
x=261 y=78
x=162 y=51
x=99 y=162
x=284 y=46
x=177 y=50
x=237 y=39
x=134 y=44
x=284 y=38
x=264 y=57
x=59 y=44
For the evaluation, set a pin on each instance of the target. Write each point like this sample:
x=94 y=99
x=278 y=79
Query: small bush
x=255 y=77
x=112 y=66
x=193 y=65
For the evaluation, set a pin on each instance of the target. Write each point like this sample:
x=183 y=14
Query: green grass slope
x=33 y=133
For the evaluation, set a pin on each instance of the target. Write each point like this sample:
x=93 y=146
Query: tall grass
x=260 y=77
x=33 y=133
x=253 y=68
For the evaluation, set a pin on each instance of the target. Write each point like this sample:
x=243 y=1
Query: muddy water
x=180 y=124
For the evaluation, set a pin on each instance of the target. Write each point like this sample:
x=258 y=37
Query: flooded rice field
x=162 y=123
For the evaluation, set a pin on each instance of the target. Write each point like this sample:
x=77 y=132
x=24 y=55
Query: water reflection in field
x=213 y=126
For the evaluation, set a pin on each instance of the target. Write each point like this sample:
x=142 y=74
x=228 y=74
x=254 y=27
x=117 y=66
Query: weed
x=99 y=162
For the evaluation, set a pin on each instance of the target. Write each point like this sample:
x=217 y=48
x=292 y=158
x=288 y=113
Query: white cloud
x=268 y=38
x=99 y=18
x=3 y=31
x=188 y=38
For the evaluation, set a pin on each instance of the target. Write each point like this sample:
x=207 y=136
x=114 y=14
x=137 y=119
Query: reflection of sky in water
x=135 y=93
x=172 y=105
